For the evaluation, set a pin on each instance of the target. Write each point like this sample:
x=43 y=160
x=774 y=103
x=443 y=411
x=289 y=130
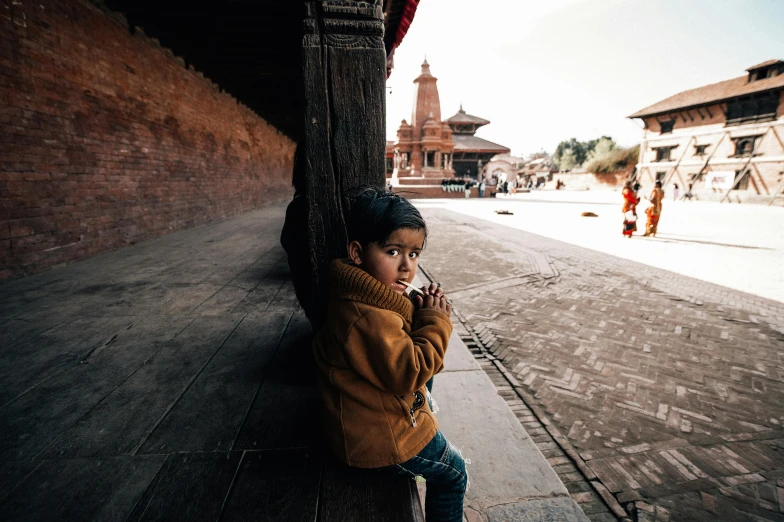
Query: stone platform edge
x=509 y=478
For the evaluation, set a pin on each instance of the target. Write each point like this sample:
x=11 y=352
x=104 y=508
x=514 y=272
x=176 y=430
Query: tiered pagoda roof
x=464 y=126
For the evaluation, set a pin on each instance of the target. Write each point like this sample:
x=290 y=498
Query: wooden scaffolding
x=747 y=164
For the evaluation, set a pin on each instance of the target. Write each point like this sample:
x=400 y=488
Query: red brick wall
x=106 y=140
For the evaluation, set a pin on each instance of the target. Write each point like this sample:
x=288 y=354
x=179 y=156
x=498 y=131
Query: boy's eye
x=414 y=255
x=393 y=252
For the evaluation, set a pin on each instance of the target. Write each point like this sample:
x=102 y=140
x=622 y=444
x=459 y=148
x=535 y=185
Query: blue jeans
x=444 y=469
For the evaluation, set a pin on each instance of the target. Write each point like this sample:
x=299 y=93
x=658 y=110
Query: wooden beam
x=641 y=154
x=683 y=183
x=738 y=178
x=778 y=193
x=651 y=175
x=683 y=154
x=753 y=181
x=713 y=151
x=344 y=75
x=743 y=169
x=778 y=138
x=761 y=180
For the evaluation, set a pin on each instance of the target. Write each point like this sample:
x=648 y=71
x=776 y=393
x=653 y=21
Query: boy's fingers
x=442 y=304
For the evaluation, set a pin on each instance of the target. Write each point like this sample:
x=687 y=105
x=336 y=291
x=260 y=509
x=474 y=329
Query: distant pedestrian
x=688 y=194
x=467 y=189
x=482 y=189
x=506 y=187
x=654 y=211
x=630 y=201
x=675 y=192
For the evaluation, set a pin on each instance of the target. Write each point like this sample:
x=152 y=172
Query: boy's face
x=397 y=259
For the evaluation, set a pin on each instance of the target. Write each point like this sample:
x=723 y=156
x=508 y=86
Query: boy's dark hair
x=375 y=213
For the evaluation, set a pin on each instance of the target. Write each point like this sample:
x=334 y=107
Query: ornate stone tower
x=424 y=148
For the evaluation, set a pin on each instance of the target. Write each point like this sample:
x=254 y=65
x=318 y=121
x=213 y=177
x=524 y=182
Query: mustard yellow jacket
x=373 y=358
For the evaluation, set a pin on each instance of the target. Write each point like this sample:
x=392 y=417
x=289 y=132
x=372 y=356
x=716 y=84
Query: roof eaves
x=763 y=64
x=714 y=93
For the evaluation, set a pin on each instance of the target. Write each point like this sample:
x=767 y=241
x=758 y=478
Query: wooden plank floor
x=169 y=381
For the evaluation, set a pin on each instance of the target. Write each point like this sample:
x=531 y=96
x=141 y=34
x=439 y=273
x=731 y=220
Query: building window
x=754 y=107
x=745 y=146
x=763 y=73
x=663 y=153
x=666 y=126
x=699 y=150
x=743 y=182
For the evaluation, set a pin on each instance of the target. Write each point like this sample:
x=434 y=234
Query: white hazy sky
x=543 y=72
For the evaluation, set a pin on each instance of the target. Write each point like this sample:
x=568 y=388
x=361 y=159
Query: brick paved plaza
x=664 y=390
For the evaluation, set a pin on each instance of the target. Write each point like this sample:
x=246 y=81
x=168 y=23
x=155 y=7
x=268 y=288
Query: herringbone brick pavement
x=669 y=389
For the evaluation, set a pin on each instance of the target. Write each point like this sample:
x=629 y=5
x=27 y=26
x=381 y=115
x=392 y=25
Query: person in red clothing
x=630 y=201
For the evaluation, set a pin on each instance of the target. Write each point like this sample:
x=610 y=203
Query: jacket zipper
x=419 y=401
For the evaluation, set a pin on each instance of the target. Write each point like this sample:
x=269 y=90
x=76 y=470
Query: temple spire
x=426 y=101
x=425 y=68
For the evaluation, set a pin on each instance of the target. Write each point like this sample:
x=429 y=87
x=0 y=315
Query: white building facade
x=722 y=142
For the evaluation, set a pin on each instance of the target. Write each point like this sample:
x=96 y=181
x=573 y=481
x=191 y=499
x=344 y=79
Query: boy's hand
x=434 y=299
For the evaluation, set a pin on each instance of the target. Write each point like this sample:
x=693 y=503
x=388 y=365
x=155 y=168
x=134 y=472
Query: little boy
x=377 y=351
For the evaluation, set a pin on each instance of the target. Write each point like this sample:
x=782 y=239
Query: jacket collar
x=349 y=282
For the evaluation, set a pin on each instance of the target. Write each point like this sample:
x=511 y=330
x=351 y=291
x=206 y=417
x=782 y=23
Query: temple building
x=470 y=152
x=429 y=150
x=424 y=147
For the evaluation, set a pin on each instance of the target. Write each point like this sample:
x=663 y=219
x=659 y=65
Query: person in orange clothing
x=654 y=211
x=630 y=201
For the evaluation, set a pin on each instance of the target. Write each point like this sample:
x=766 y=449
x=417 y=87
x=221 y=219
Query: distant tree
x=570 y=149
x=568 y=160
x=616 y=160
x=577 y=151
x=601 y=149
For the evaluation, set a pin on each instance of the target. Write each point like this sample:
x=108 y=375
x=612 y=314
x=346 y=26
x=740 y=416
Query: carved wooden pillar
x=344 y=70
